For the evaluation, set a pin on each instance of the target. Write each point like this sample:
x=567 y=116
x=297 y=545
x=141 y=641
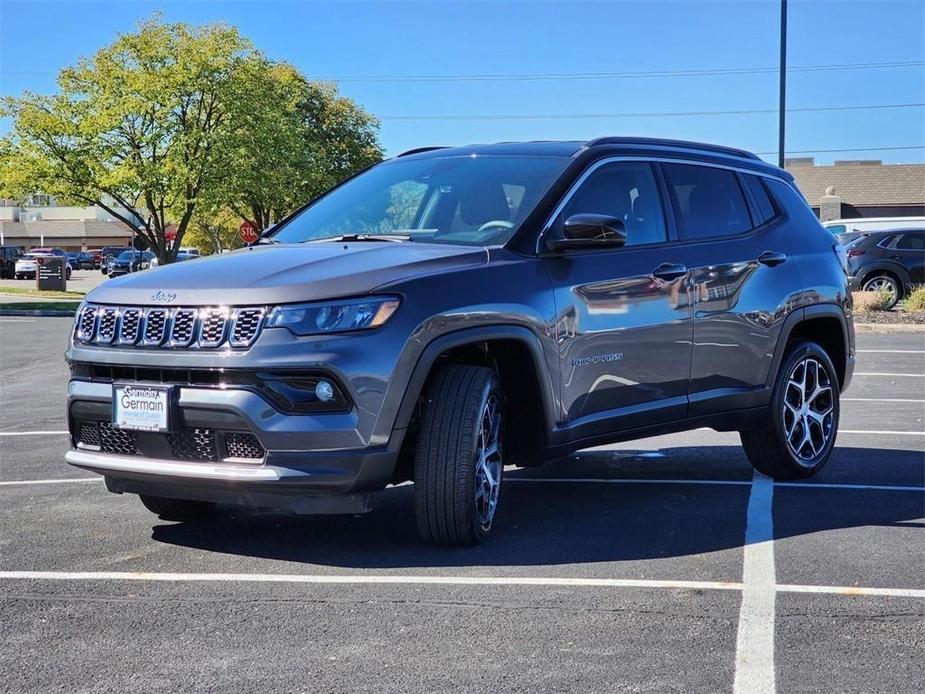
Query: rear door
x=908 y=249
x=742 y=282
x=624 y=318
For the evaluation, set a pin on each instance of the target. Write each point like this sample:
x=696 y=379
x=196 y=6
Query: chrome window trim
x=595 y=165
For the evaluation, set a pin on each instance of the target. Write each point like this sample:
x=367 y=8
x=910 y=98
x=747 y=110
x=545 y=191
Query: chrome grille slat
x=212 y=325
x=246 y=326
x=155 y=326
x=162 y=327
x=128 y=326
x=182 y=327
x=108 y=316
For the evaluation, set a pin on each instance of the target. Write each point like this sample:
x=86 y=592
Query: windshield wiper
x=363 y=237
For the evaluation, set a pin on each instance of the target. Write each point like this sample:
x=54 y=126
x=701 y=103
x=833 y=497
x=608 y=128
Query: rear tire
x=458 y=464
x=796 y=439
x=177 y=509
x=886 y=283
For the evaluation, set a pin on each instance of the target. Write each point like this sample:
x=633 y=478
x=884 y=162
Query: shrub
x=916 y=299
x=867 y=302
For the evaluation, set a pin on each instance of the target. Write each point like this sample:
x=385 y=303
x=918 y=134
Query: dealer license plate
x=141 y=408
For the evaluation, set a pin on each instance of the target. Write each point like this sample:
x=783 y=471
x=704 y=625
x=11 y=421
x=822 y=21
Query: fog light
x=324 y=391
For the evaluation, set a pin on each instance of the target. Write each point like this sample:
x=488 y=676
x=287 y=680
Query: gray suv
x=454 y=311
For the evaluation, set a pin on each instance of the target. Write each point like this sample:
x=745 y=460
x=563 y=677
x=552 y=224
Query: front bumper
x=307 y=459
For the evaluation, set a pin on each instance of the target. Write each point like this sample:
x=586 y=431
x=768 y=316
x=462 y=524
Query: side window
x=628 y=191
x=759 y=193
x=914 y=241
x=709 y=201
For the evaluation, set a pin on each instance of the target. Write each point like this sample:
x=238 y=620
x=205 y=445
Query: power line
x=529 y=77
x=652 y=114
x=847 y=149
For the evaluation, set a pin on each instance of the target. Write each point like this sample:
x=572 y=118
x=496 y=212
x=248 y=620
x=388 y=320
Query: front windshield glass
x=470 y=200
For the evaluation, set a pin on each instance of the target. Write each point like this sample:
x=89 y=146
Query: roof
x=862 y=184
x=69 y=228
x=638 y=146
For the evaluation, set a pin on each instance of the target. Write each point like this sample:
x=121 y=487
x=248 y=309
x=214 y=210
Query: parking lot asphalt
x=661 y=565
x=81 y=281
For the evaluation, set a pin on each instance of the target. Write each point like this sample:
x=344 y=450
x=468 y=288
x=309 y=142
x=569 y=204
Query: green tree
x=297 y=138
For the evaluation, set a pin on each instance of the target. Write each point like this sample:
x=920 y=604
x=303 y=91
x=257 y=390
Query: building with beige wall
x=861 y=188
x=70 y=228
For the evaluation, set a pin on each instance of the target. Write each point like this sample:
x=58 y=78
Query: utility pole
x=783 y=82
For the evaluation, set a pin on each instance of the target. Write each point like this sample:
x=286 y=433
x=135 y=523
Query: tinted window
x=628 y=191
x=911 y=242
x=709 y=201
x=763 y=203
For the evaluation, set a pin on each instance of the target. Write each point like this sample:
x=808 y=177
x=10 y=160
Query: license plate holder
x=138 y=407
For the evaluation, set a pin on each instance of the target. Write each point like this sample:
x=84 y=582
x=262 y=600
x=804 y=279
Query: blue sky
x=401 y=39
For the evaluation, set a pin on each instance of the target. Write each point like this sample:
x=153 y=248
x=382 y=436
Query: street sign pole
x=783 y=82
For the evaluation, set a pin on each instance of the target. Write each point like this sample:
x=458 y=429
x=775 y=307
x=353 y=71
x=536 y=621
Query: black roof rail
x=720 y=149
x=418 y=150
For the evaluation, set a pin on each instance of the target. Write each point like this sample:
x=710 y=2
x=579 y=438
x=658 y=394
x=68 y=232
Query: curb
x=889 y=328
x=38 y=313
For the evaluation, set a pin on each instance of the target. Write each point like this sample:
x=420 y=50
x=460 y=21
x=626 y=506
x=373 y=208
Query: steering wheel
x=500 y=223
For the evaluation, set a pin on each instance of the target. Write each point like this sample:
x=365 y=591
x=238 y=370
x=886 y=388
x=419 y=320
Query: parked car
x=451 y=311
x=80 y=260
x=129 y=261
x=96 y=255
x=891 y=262
x=8 y=257
x=846 y=229
x=27 y=265
x=110 y=253
x=183 y=254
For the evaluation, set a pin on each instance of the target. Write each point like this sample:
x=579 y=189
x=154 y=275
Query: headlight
x=334 y=316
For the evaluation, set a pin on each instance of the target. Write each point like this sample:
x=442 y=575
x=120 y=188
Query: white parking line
x=33 y=433
x=881 y=400
x=737 y=483
x=386 y=579
x=889 y=433
x=878 y=373
x=754 y=665
x=890 y=351
x=64 y=481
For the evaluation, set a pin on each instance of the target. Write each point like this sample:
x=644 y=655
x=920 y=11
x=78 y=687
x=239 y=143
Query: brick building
x=861 y=188
x=70 y=228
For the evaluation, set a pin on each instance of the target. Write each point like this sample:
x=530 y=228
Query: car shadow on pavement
x=551 y=523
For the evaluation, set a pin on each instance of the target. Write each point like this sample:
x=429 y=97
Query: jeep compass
x=453 y=311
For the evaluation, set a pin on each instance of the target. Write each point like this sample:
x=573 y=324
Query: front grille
x=116 y=441
x=243 y=445
x=246 y=326
x=89 y=435
x=184 y=323
x=157 y=327
x=128 y=326
x=106 y=326
x=194 y=444
x=212 y=327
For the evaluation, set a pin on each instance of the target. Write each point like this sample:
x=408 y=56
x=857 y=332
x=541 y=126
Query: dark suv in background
x=892 y=262
x=452 y=311
x=8 y=257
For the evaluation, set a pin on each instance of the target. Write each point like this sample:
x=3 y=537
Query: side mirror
x=589 y=231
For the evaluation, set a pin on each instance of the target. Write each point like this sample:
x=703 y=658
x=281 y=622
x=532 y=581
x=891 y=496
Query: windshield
x=469 y=200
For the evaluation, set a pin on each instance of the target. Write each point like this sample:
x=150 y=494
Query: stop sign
x=248 y=232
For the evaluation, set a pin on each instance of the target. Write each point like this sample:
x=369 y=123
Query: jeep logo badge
x=161 y=297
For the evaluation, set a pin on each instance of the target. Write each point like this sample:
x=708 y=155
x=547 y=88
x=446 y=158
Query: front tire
x=458 y=464
x=796 y=439
x=177 y=509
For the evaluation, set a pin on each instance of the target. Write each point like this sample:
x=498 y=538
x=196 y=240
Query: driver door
x=624 y=326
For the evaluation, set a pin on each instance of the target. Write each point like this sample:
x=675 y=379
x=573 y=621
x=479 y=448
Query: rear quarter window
x=709 y=202
x=764 y=207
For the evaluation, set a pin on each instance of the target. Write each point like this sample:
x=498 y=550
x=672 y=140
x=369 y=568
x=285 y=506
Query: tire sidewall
x=803 y=350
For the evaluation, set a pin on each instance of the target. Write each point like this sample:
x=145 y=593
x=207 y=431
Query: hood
x=285 y=273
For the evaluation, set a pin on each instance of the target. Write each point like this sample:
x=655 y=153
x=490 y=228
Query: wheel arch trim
x=802 y=315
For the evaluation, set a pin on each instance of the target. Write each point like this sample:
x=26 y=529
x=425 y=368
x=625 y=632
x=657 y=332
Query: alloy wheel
x=808 y=410
x=881 y=284
x=488 y=466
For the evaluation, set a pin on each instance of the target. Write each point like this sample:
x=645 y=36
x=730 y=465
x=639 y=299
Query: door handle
x=772 y=258
x=669 y=271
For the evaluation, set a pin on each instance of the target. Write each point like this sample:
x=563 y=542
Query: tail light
x=855 y=252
